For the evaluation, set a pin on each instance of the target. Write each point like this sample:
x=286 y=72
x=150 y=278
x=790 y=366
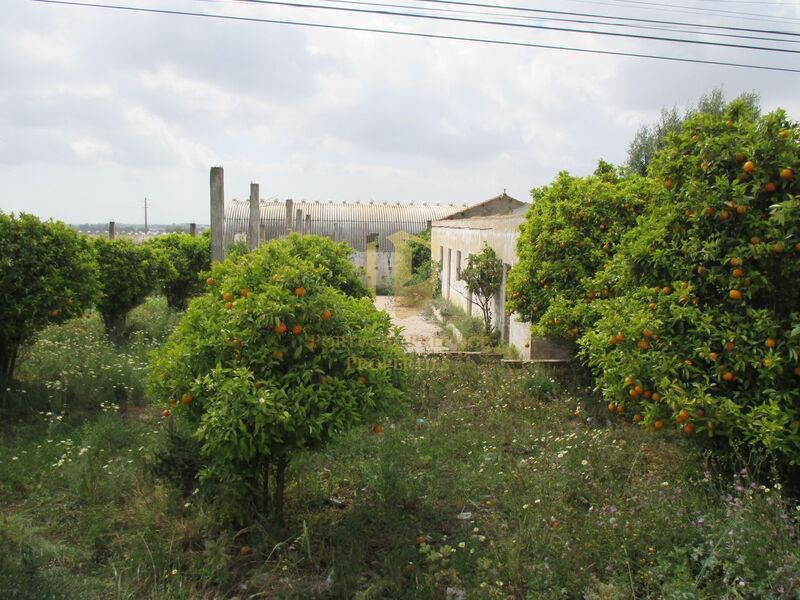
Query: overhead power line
x=664 y=27
x=638 y=36
x=596 y=16
x=417 y=35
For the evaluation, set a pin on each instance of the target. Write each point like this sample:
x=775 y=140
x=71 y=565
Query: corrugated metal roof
x=342 y=221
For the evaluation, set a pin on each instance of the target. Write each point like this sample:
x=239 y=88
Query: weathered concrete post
x=217 y=214
x=112 y=230
x=192 y=229
x=371 y=261
x=298 y=221
x=252 y=230
x=307 y=226
x=288 y=216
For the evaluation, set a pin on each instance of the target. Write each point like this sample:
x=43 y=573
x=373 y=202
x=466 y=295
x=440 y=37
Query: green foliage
x=274 y=359
x=185 y=258
x=571 y=230
x=649 y=140
x=483 y=277
x=706 y=315
x=47 y=274
x=128 y=273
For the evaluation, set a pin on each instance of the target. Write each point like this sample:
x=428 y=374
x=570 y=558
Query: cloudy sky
x=101 y=108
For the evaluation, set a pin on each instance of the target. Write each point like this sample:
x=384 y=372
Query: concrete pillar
x=192 y=229
x=112 y=230
x=288 y=216
x=217 y=214
x=371 y=261
x=307 y=225
x=255 y=215
x=298 y=221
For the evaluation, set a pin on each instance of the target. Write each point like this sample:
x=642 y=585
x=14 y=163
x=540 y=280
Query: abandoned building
x=493 y=223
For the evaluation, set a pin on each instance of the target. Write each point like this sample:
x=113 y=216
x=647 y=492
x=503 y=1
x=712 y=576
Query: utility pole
x=145 y=216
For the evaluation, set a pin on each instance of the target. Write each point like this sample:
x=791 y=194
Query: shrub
x=128 y=274
x=185 y=257
x=704 y=335
x=570 y=231
x=274 y=359
x=48 y=275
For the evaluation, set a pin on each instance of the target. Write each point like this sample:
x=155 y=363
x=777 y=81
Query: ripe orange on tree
x=326 y=315
x=683 y=416
x=787 y=174
x=229 y=305
x=658 y=425
x=728 y=376
x=245 y=292
x=688 y=428
x=55 y=313
x=210 y=281
x=378 y=428
x=729 y=346
x=656 y=397
x=300 y=292
x=735 y=294
x=637 y=418
x=227 y=296
x=749 y=167
x=280 y=328
x=165 y=413
x=278 y=354
x=362 y=380
x=297 y=329
x=770 y=343
x=770 y=187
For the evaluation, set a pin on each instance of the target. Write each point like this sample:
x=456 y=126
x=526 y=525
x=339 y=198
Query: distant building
x=356 y=223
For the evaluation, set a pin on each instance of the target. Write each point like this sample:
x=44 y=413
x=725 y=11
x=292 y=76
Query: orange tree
x=128 y=273
x=572 y=229
x=704 y=333
x=271 y=360
x=48 y=275
x=184 y=258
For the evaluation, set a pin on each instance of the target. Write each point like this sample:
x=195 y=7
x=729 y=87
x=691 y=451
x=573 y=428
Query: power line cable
x=393 y=13
x=593 y=15
x=417 y=35
x=559 y=19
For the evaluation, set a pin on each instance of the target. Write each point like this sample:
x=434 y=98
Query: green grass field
x=488 y=483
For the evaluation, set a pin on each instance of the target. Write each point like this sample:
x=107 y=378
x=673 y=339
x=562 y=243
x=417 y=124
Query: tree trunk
x=280 y=478
x=8 y=360
x=265 y=488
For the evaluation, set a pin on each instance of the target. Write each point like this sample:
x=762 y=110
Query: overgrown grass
x=494 y=483
x=471 y=333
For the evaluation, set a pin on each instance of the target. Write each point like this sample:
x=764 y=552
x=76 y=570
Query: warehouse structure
x=364 y=226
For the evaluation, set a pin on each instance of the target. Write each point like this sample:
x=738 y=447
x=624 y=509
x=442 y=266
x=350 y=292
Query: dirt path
x=421 y=334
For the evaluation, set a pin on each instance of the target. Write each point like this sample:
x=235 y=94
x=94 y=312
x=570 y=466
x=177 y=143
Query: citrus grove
x=697 y=326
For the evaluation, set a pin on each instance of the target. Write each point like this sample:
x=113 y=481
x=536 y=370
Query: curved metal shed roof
x=341 y=221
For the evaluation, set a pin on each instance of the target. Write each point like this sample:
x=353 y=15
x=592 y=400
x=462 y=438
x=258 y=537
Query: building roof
x=508 y=222
x=499 y=205
x=341 y=221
